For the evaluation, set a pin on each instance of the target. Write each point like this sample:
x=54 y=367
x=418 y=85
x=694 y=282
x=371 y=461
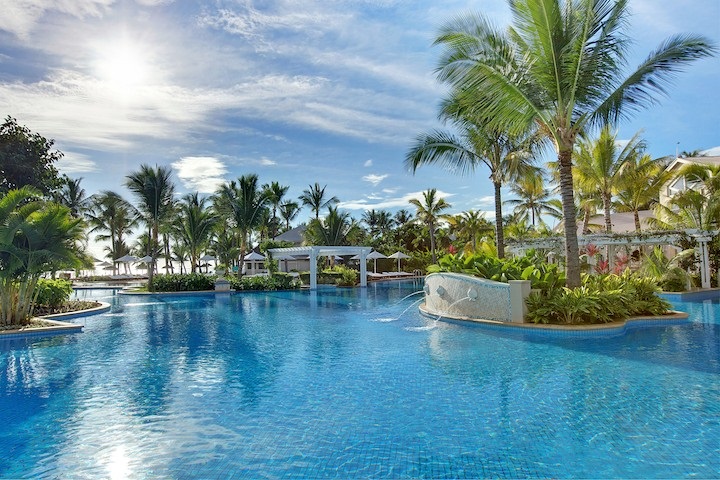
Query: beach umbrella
x=145 y=259
x=126 y=259
x=399 y=255
x=374 y=256
x=207 y=258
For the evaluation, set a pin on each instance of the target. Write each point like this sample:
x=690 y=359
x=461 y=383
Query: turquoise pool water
x=334 y=384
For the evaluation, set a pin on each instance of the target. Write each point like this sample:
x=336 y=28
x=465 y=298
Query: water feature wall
x=455 y=295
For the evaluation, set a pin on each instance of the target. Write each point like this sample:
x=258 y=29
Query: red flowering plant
x=603 y=266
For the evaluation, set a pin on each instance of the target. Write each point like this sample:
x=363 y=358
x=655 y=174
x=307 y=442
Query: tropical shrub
x=601 y=299
x=277 y=281
x=35 y=237
x=348 y=277
x=177 y=282
x=531 y=267
x=52 y=293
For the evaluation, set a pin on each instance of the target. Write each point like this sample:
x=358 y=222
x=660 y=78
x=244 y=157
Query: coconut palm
x=402 y=217
x=599 y=164
x=559 y=66
x=72 y=195
x=243 y=204
x=195 y=227
x=429 y=211
x=335 y=229
x=314 y=197
x=470 y=226
x=154 y=191
x=533 y=198
x=639 y=184
x=289 y=212
x=109 y=212
x=696 y=207
x=274 y=193
x=507 y=157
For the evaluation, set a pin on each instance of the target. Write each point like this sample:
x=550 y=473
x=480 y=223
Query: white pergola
x=316 y=251
x=628 y=239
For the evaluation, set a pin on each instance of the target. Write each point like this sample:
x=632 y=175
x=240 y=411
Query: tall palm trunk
x=499 y=234
x=572 y=251
x=431 y=227
x=636 y=216
x=606 y=207
x=151 y=268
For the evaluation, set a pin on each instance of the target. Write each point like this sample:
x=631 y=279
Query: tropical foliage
x=35 y=237
x=560 y=66
x=601 y=299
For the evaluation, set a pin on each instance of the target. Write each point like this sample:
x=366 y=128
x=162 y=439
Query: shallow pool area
x=354 y=383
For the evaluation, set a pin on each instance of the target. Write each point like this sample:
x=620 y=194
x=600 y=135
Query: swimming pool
x=334 y=384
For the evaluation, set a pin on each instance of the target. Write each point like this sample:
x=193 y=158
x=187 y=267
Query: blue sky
x=296 y=91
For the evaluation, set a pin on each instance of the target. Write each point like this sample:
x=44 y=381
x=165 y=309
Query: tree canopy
x=26 y=159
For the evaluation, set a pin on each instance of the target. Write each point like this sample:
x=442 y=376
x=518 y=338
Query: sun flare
x=123 y=64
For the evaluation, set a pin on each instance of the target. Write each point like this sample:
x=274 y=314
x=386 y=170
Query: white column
x=704 y=263
x=363 y=269
x=313 y=269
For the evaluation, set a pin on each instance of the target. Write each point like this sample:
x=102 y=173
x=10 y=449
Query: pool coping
x=58 y=326
x=702 y=294
x=591 y=330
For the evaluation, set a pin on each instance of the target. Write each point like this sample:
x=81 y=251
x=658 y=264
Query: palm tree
x=109 y=212
x=274 y=193
x=506 y=156
x=469 y=226
x=599 y=164
x=429 y=211
x=289 y=212
x=72 y=195
x=698 y=206
x=195 y=226
x=335 y=229
x=154 y=191
x=402 y=217
x=533 y=198
x=314 y=197
x=243 y=203
x=638 y=186
x=558 y=67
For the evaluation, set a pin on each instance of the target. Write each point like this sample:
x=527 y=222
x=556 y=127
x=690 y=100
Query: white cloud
x=20 y=16
x=712 y=152
x=202 y=174
x=73 y=162
x=396 y=202
x=368 y=163
x=267 y=162
x=374 y=178
x=484 y=201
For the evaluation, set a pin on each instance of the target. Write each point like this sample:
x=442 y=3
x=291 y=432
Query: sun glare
x=122 y=64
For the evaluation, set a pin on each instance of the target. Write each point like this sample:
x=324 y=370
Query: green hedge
x=176 y=282
x=52 y=293
x=276 y=281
